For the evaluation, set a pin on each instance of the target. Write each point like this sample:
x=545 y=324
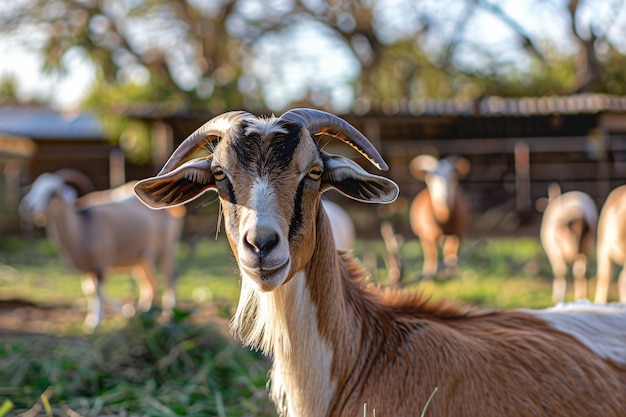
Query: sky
x=312 y=56
x=26 y=67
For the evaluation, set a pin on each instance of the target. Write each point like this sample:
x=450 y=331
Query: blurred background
x=111 y=87
x=530 y=93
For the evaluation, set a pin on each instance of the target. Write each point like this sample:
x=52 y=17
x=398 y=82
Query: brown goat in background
x=439 y=213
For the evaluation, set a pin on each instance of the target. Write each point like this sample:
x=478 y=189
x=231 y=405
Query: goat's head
x=269 y=175
x=46 y=186
x=441 y=177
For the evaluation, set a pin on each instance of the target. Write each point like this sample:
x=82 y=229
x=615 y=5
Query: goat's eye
x=315 y=173
x=219 y=174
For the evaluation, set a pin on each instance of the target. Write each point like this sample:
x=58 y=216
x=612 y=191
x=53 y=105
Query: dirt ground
x=23 y=317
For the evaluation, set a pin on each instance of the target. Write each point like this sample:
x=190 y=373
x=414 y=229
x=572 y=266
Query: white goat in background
x=341 y=224
x=440 y=212
x=107 y=229
x=338 y=342
x=611 y=245
x=567 y=234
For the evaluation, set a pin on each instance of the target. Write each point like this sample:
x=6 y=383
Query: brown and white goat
x=337 y=341
x=611 y=244
x=103 y=230
x=440 y=212
x=567 y=234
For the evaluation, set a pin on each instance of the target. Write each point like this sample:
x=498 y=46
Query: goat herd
x=337 y=341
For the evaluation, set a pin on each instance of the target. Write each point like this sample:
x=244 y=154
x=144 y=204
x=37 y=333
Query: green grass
x=35 y=271
x=493 y=273
x=141 y=367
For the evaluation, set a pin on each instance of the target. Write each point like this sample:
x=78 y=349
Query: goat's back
x=568 y=224
x=611 y=226
x=123 y=231
x=493 y=364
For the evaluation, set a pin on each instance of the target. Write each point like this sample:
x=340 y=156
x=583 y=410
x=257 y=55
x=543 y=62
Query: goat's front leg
x=579 y=271
x=559 y=271
x=168 y=300
x=429 y=269
x=451 y=255
x=605 y=271
x=621 y=284
x=144 y=274
x=92 y=289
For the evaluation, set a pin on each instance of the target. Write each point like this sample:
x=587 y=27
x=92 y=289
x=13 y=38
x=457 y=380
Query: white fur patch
x=302 y=376
x=600 y=327
x=284 y=324
x=263 y=195
x=438 y=188
x=264 y=127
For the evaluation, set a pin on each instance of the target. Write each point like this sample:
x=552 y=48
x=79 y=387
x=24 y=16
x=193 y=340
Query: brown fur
x=392 y=349
x=337 y=341
x=433 y=232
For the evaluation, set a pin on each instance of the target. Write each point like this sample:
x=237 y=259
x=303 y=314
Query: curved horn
x=319 y=122
x=211 y=130
x=81 y=182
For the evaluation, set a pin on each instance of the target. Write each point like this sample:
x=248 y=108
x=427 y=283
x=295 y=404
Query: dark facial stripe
x=266 y=155
x=232 y=198
x=296 y=217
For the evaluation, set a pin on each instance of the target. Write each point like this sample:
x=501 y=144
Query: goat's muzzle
x=263 y=256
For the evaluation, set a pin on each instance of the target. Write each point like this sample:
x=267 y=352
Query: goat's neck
x=322 y=332
x=442 y=205
x=63 y=225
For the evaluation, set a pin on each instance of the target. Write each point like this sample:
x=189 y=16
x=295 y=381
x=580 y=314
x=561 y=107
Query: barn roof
x=490 y=106
x=45 y=123
x=501 y=106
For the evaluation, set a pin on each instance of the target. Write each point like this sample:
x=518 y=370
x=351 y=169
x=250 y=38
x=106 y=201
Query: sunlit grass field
x=140 y=367
x=494 y=273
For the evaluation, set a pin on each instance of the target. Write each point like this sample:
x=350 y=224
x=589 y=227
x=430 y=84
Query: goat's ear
x=462 y=167
x=184 y=184
x=422 y=165
x=353 y=181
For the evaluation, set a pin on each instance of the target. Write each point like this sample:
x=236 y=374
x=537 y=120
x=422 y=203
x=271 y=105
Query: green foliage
x=119 y=107
x=555 y=75
x=8 y=87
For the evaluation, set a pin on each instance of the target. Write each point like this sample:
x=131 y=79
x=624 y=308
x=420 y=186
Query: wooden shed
x=47 y=140
x=516 y=146
x=15 y=151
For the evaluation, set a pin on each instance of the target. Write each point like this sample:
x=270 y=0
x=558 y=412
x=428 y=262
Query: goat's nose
x=261 y=244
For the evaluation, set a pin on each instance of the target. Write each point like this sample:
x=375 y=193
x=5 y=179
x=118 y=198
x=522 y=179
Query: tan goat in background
x=338 y=342
x=567 y=234
x=103 y=230
x=611 y=245
x=440 y=212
